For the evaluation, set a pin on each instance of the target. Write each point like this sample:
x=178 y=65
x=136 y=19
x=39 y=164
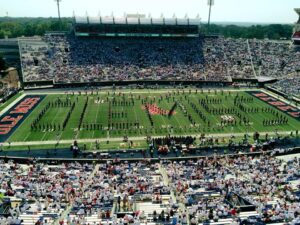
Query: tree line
x=16 y=27
x=272 y=31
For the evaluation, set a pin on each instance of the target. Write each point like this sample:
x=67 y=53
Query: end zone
x=15 y=115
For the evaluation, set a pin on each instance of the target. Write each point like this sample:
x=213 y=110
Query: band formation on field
x=112 y=114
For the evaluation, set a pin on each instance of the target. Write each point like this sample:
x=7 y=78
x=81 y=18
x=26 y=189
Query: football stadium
x=142 y=120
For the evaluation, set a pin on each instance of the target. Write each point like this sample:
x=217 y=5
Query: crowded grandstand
x=218 y=190
x=111 y=52
x=73 y=59
x=148 y=121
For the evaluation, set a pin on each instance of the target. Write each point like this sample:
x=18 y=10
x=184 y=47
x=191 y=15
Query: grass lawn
x=110 y=115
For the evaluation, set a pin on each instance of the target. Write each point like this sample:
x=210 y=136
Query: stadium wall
x=46 y=84
x=295 y=150
x=93 y=160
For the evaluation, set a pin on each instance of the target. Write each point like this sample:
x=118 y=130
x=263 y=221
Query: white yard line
x=29 y=133
x=179 y=124
x=78 y=130
x=11 y=104
x=135 y=115
x=51 y=122
x=96 y=118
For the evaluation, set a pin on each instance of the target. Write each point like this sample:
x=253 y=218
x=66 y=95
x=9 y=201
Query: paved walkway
x=65 y=213
x=176 y=199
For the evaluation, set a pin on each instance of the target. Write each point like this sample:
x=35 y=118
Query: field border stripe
x=9 y=106
x=14 y=124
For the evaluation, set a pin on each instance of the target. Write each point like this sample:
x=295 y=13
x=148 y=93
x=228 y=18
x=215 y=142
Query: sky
x=254 y=11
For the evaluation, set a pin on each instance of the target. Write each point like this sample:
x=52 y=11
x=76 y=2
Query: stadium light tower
x=210 y=4
x=58 y=9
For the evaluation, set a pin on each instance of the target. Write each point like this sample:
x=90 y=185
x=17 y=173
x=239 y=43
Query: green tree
x=16 y=27
x=273 y=31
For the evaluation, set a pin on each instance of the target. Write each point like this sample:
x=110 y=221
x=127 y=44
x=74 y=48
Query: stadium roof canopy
x=136 y=26
x=137 y=20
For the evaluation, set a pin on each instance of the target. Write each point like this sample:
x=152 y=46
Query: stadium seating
x=66 y=59
x=178 y=192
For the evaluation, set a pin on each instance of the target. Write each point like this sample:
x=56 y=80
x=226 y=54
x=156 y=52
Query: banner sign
x=280 y=105
x=12 y=119
x=81 y=34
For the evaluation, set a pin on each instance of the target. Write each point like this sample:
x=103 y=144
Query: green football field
x=117 y=114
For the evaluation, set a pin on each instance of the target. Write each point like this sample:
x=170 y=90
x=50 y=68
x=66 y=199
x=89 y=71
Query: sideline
x=280 y=98
x=138 y=138
x=12 y=104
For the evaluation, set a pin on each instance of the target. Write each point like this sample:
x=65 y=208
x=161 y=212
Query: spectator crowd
x=209 y=190
x=69 y=59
